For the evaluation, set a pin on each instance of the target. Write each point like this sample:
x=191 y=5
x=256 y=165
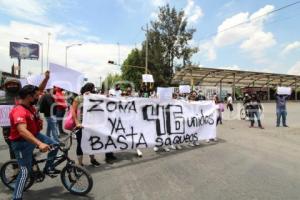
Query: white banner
x=112 y=124
x=147 y=78
x=66 y=78
x=37 y=80
x=284 y=90
x=184 y=89
x=165 y=93
x=4 y=115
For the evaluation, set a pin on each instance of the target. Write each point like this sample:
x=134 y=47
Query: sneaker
x=285 y=126
x=166 y=149
x=178 y=147
x=251 y=126
x=173 y=147
x=155 y=149
x=261 y=127
x=139 y=153
x=191 y=145
x=196 y=143
x=95 y=163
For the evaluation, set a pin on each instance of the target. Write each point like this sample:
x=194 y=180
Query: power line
x=249 y=20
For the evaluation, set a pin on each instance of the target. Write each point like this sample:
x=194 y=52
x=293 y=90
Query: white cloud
x=90 y=58
x=258 y=42
x=291 y=47
x=208 y=50
x=233 y=67
x=157 y=3
x=32 y=10
x=295 y=70
x=247 y=30
x=193 y=12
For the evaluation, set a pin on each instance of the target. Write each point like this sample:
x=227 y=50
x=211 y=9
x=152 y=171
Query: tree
x=110 y=81
x=170 y=37
x=168 y=41
x=132 y=68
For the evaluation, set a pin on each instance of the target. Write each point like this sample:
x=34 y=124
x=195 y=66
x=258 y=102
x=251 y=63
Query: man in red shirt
x=25 y=135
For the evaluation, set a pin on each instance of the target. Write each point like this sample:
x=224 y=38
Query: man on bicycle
x=25 y=135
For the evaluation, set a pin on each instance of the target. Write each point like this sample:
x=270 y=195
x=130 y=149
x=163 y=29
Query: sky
x=110 y=29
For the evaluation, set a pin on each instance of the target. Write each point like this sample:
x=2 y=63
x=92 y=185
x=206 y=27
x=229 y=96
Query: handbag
x=69 y=121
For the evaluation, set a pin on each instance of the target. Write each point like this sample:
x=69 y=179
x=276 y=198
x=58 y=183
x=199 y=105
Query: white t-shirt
x=229 y=100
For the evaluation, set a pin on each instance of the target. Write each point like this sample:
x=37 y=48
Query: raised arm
x=42 y=86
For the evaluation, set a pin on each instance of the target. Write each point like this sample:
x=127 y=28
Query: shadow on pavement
x=131 y=158
x=57 y=192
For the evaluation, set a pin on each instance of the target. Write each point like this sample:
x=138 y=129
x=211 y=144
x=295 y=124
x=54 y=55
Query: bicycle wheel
x=76 y=179
x=243 y=114
x=9 y=173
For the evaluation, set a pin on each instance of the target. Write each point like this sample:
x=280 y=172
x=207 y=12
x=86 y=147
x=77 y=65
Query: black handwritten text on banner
x=112 y=124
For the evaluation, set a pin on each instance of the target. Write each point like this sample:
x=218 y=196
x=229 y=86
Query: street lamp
x=67 y=47
x=42 y=56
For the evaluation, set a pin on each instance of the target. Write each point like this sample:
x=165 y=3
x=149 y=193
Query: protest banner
x=284 y=90
x=36 y=80
x=66 y=78
x=165 y=93
x=184 y=89
x=147 y=78
x=118 y=124
x=4 y=115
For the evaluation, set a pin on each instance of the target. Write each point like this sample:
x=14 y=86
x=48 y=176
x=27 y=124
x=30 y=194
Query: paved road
x=246 y=164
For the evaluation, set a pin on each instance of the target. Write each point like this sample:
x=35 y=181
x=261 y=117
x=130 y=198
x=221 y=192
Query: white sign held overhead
x=66 y=78
x=165 y=93
x=284 y=90
x=37 y=80
x=148 y=78
x=112 y=124
x=184 y=89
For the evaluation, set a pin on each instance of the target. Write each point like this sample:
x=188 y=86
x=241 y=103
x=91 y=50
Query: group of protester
x=24 y=133
x=254 y=108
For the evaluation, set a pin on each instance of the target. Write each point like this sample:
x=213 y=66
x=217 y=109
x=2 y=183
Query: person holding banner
x=281 y=109
x=77 y=114
x=193 y=97
x=128 y=93
x=12 y=87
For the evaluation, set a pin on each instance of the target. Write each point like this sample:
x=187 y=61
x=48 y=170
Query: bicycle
x=71 y=174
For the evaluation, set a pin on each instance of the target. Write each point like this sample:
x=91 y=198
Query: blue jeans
x=52 y=130
x=281 y=113
x=252 y=114
x=23 y=151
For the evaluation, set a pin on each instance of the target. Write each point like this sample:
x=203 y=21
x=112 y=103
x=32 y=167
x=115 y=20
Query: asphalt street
x=245 y=164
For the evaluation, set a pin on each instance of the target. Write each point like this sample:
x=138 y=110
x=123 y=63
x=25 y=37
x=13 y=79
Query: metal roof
x=213 y=76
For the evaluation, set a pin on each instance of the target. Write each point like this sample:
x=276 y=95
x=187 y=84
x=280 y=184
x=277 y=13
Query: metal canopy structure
x=195 y=75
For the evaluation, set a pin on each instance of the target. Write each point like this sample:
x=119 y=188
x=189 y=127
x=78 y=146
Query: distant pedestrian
x=48 y=107
x=220 y=109
x=61 y=107
x=281 y=109
x=255 y=110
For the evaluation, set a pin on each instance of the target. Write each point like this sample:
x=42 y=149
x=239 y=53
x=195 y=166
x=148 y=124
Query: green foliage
x=111 y=80
x=132 y=68
x=168 y=42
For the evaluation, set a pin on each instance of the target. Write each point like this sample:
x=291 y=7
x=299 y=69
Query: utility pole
x=100 y=83
x=146 y=59
x=119 y=62
x=48 y=50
